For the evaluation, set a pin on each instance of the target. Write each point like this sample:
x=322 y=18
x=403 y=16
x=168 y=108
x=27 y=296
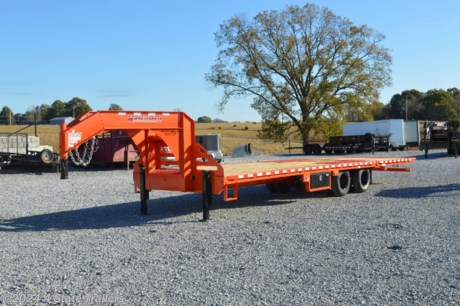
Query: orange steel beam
x=165 y=140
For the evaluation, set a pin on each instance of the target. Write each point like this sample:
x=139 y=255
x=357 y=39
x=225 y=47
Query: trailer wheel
x=328 y=152
x=317 y=150
x=361 y=180
x=341 y=184
x=46 y=156
x=307 y=150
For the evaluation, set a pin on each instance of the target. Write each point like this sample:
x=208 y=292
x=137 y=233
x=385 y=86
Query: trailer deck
x=275 y=167
x=171 y=159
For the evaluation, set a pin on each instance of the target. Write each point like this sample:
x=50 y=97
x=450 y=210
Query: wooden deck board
x=264 y=166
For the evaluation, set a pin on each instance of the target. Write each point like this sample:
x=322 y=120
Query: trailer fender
x=341 y=184
x=361 y=179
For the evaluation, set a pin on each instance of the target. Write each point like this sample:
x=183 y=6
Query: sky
x=153 y=55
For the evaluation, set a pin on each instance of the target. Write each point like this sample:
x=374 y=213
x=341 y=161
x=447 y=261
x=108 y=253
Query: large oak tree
x=302 y=66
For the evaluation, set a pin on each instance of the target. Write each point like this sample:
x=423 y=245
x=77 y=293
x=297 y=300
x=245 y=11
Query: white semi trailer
x=402 y=133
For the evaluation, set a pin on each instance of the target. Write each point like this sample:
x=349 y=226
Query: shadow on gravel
x=161 y=210
x=433 y=155
x=106 y=216
x=38 y=170
x=419 y=192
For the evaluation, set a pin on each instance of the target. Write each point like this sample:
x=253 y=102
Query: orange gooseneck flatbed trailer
x=170 y=159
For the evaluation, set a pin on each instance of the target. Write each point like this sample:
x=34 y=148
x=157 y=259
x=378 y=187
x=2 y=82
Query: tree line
x=433 y=105
x=44 y=112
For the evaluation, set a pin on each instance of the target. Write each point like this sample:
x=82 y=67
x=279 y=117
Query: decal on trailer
x=150 y=117
x=73 y=138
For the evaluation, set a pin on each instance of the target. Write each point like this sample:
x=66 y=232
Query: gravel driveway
x=83 y=241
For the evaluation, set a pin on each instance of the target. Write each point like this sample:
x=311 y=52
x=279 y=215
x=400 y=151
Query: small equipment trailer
x=171 y=159
x=22 y=149
x=440 y=135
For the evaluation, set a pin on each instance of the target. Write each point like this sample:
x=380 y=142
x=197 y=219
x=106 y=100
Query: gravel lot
x=83 y=241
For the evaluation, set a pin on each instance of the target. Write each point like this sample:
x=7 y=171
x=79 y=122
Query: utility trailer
x=349 y=144
x=22 y=149
x=439 y=135
x=186 y=166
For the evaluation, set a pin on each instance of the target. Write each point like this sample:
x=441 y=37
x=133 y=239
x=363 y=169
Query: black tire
x=307 y=150
x=361 y=179
x=271 y=188
x=339 y=151
x=328 y=152
x=341 y=184
x=282 y=188
x=317 y=150
x=46 y=156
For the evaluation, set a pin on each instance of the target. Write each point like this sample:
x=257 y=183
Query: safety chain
x=91 y=146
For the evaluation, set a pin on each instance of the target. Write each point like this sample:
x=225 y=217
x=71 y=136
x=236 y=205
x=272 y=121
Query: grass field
x=232 y=134
x=236 y=134
x=48 y=133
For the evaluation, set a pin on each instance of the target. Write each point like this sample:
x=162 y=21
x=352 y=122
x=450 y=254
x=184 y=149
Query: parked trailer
x=349 y=144
x=401 y=133
x=20 y=149
x=192 y=169
x=439 y=135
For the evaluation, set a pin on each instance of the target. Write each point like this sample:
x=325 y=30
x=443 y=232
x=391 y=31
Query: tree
x=33 y=114
x=76 y=107
x=397 y=106
x=439 y=105
x=454 y=91
x=301 y=65
x=44 y=109
x=57 y=109
x=6 y=115
x=377 y=110
x=115 y=107
x=204 y=119
x=20 y=118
